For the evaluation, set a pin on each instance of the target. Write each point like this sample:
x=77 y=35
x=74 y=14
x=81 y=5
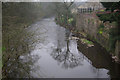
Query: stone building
x=88 y=7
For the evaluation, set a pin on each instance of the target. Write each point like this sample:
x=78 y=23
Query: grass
x=102 y=10
x=86 y=41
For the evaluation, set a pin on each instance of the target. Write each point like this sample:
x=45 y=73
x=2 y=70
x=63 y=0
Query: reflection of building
x=89 y=7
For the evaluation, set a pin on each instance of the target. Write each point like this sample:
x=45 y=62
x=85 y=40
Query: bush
x=101 y=29
x=114 y=35
x=109 y=17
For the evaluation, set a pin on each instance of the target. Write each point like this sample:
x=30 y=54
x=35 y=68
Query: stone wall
x=89 y=24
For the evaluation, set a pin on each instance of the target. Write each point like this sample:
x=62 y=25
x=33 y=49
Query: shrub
x=109 y=17
x=101 y=29
x=114 y=35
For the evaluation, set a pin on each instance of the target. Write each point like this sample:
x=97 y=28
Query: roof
x=96 y=5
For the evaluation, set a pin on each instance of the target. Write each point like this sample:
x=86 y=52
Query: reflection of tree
x=64 y=55
x=21 y=67
x=96 y=71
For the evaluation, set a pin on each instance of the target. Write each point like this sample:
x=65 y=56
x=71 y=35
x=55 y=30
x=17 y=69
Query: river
x=53 y=55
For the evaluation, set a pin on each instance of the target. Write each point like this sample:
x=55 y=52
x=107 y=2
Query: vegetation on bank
x=101 y=29
x=85 y=41
x=64 y=16
x=112 y=17
x=16 y=17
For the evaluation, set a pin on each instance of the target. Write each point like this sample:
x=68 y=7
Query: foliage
x=105 y=17
x=16 y=16
x=101 y=29
x=70 y=20
x=64 y=16
x=114 y=16
x=3 y=48
x=109 y=17
x=102 y=10
x=88 y=21
x=85 y=41
x=27 y=9
x=114 y=35
x=101 y=26
x=111 y=5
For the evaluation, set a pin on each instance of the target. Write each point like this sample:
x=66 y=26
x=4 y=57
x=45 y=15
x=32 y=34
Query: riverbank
x=50 y=44
x=17 y=17
x=92 y=50
x=54 y=46
x=105 y=33
x=89 y=26
x=13 y=39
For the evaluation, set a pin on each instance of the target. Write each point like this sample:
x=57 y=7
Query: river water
x=53 y=55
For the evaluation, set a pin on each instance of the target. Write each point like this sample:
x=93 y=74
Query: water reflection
x=68 y=58
x=58 y=56
x=54 y=55
x=63 y=53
